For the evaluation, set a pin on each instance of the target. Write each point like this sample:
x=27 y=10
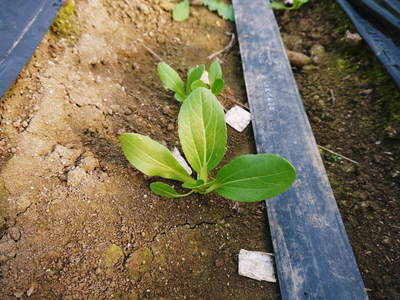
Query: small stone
x=127 y=111
x=89 y=164
x=309 y=68
x=17 y=123
x=24 y=124
x=113 y=255
x=143 y=8
x=317 y=50
x=115 y=107
x=31 y=290
x=139 y=263
x=297 y=58
x=219 y=262
x=35 y=107
x=19 y=294
x=167 y=110
x=75 y=176
x=353 y=39
x=366 y=92
x=14 y=233
x=170 y=127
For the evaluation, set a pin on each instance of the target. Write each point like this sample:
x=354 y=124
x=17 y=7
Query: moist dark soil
x=351 y=104
x=77 y=222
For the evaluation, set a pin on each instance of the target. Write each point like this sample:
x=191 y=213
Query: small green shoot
x=182 y=9
x=172 y=81
x=296 y=5
x=203 y=136
x=224 y=10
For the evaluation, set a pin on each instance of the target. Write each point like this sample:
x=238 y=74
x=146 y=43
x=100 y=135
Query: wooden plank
x=22 y=26
x=313 y=255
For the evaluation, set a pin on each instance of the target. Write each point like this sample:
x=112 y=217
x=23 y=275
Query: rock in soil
x=298 y=59
x=139 y=263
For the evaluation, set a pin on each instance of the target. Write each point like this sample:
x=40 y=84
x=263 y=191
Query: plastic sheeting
x=378 y=21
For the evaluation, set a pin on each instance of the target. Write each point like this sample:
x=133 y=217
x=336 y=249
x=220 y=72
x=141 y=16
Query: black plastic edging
x=382 y=43
x=313 y=256
x=23 y=24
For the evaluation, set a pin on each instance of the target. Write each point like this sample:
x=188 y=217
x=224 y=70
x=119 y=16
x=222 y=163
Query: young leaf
x=165 y=190
x=214 y=72
x=226 y=12
x=202 y=131
x=197 y=84
x=170 y=78
x=152 y=158
x=218 y=86
x=179 y=97
x=194 y=75
x=181 y=11
x=211 y=4
x=250 y=178
x=278 y=5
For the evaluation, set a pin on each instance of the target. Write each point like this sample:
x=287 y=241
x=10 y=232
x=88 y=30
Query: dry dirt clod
x=76 y=176
x=89 y=164
x=113 y=256
x=139 y=263
x=14 y=233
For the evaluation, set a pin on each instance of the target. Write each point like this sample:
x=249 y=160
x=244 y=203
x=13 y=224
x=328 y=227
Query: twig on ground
x=335 y=153
x=152 y=52
x=234 y=101
x=332 y=96
x=226 y=48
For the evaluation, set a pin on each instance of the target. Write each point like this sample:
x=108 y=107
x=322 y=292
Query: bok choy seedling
x=172 y=81
x=203 y=136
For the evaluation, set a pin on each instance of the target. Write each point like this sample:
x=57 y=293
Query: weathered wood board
x=314 y=259
x=22 y=26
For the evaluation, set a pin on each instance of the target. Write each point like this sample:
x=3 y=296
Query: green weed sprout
x=203 y=136
x=173 y=81
x=182 y=10
x=296 y=5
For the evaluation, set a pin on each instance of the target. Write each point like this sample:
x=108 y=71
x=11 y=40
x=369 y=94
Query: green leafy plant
x=296 y=4
x=203 y=136
x=173 y=81
x=182 y=10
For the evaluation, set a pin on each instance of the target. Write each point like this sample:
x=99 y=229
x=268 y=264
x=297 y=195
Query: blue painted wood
x=22 y=26
x=313 y=256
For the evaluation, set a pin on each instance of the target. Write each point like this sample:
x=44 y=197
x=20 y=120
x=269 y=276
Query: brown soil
x=77 y=222
x=347 y=100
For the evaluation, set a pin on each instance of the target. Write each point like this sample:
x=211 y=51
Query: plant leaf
x=152 y=158
x=214 y=72
x=170 y=78
x=197 y=84
x=202 y=131
x=198 y=183
x=179 y=97
x=218 y=86
x=226 y=12
x=194 y=75
x=278 y=5
x=211 y=4
x=181 y=11
x=165 y=190
x=254 y=177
